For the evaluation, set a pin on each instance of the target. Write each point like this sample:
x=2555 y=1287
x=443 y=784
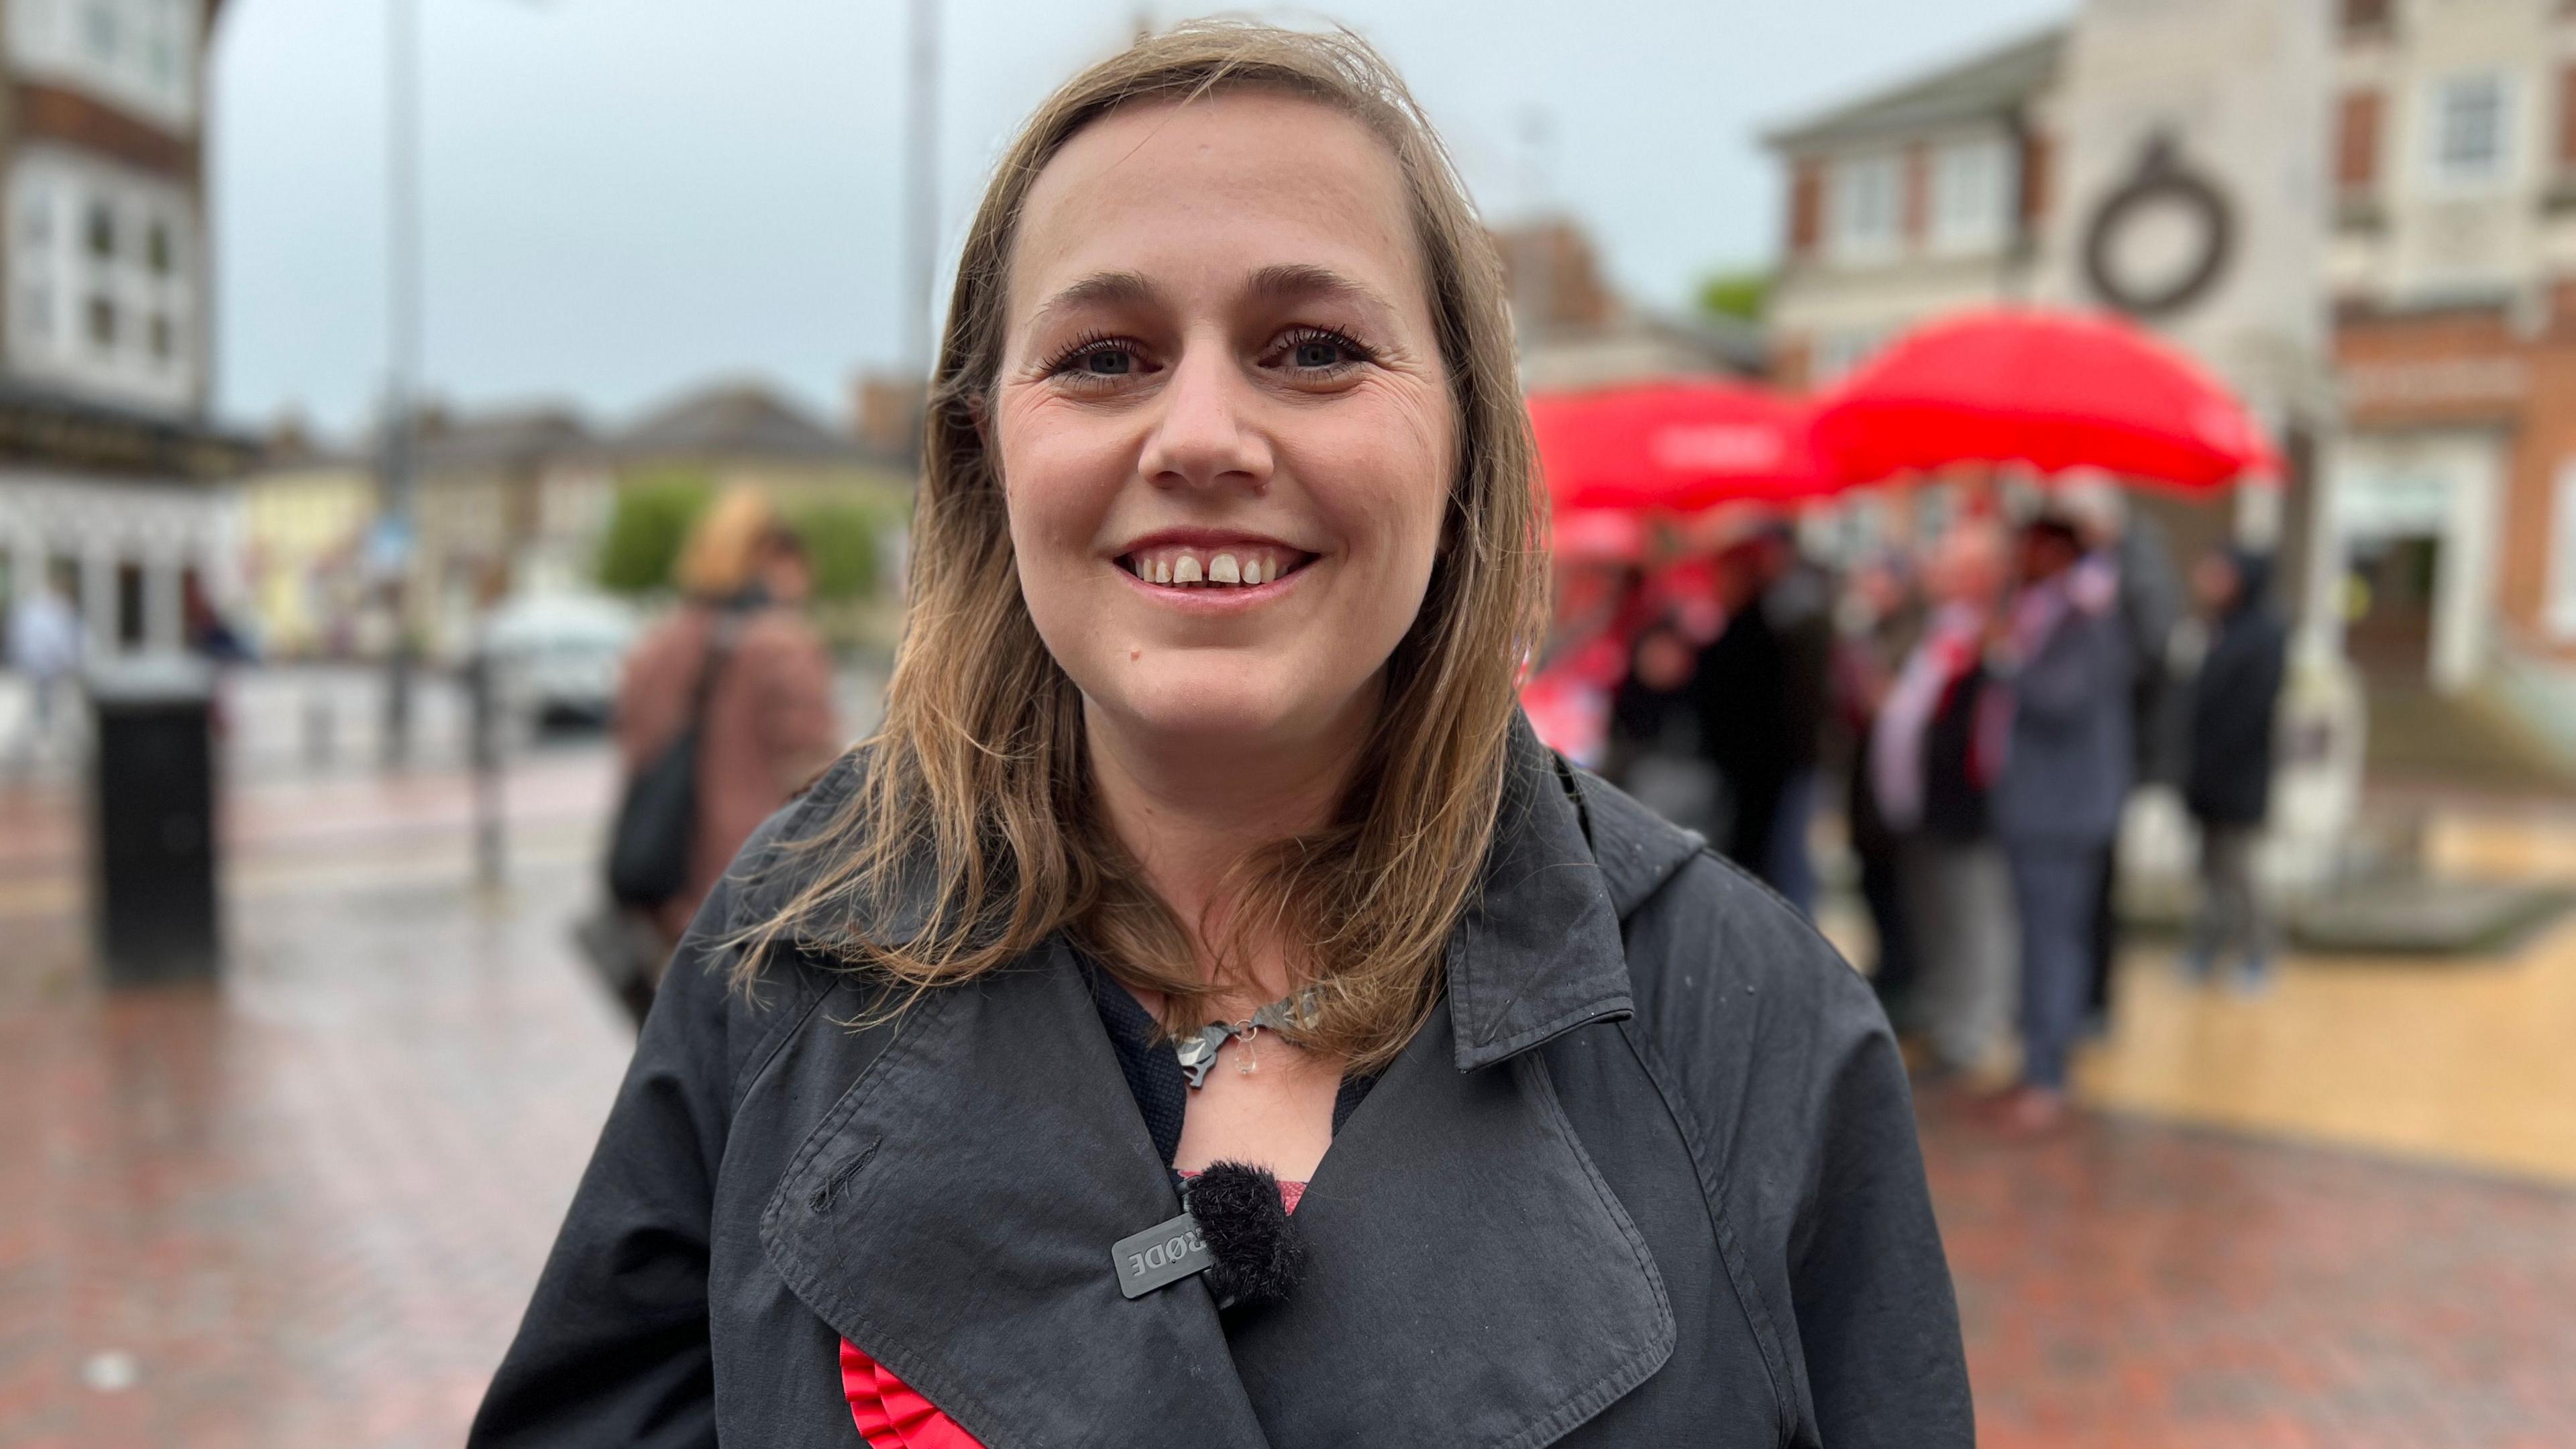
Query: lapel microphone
x=1259 y=1256
x=1235 y=1229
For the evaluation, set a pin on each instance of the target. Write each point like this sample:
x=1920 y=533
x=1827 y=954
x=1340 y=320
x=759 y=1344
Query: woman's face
x=1225 y=435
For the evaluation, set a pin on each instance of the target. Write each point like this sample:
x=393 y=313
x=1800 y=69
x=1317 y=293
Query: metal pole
x=921 y=186
x=403 y=332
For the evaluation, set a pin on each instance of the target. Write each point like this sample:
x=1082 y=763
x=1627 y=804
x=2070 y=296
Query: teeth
x=1184 y=568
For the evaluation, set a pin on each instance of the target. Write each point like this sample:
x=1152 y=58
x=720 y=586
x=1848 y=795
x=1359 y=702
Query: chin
x=1207 y=705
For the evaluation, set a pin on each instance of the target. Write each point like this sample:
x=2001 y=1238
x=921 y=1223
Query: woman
x=738 y=660
x=1222 y=576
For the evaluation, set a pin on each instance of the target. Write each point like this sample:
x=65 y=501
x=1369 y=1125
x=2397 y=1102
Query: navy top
x=1154 y=1075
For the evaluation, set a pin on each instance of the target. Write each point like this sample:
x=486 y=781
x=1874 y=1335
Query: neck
x=1187 y=810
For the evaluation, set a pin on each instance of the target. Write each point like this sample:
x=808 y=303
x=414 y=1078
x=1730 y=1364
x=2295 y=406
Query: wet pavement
x=303 y=1206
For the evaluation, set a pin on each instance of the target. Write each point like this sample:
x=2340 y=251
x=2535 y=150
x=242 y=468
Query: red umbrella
x=1679 y=446
x=2054 y=390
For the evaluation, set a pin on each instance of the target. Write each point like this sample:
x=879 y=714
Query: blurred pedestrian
x=2228 y=781
x=1755 y=703
x=1798 y=603
x=2128 y=562
x=737 y=673
x=989 y=1083
x=2064 y=657
x=1933 y=763
x=45 y=645
x=1877 y=625
x=1655 y=751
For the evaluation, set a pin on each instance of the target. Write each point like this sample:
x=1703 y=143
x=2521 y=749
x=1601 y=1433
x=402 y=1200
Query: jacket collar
x=1538 y=953
x=953 y=1213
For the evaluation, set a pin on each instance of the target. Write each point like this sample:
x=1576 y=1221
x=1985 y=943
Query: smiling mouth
x=1181 y=567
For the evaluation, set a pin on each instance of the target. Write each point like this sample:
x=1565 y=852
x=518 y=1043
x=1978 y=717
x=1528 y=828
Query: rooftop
x=733 y=420
x=1990 y=84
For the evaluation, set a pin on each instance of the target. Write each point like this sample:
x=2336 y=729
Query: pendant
x=1197 y=1054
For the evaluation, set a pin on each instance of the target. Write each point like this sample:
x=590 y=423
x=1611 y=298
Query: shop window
x=129 y=605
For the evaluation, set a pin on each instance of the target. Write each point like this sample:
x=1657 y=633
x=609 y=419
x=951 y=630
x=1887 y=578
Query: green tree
x=1739 y=294
x=650 y=522
x=841 y=540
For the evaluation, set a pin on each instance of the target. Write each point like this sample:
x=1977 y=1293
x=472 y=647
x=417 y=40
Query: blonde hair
x=977 y=788
x=724 y=546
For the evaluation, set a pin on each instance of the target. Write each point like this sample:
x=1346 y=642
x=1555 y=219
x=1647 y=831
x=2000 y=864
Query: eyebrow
x=1294 y=280
x=1286 y=281
x=1100 y=288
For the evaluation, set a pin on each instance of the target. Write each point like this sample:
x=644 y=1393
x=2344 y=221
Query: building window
x=2357 y=141
x=99 y=29
x=129 y=605
x=2567 y=119
x=1972 y=194
x=2470 y=118
x=1806 y=205
x=1838 y=352
x=106 y=302
x=34 y=314
x=139 y=54
x=1868 y=200
x=2561 y=614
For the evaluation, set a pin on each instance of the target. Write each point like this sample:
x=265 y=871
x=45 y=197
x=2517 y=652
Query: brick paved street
x=303 y=1208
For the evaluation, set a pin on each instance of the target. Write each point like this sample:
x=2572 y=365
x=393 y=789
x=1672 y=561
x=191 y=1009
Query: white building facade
x=111 y=476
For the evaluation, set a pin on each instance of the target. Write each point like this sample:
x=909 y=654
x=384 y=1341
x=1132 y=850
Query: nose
x=1203 y=436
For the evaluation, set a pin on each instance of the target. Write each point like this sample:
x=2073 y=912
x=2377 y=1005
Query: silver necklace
x=1289 y=1017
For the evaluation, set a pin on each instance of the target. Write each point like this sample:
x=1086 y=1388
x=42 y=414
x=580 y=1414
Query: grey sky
x=627 y=197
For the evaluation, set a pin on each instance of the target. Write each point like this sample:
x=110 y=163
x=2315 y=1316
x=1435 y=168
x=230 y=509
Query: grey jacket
x=1649 y=1179
x=2066 y=772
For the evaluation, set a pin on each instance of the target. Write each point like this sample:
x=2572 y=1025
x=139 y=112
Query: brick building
x=108 y=464
x=1575 y=331
x=2445 y=259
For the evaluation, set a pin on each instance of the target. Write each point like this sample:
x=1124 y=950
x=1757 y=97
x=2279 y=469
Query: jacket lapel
x=1471 y=1280
x=953 y=1216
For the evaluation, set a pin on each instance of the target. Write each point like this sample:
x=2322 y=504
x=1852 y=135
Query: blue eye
x=1108 y=362
x=1320 y=352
